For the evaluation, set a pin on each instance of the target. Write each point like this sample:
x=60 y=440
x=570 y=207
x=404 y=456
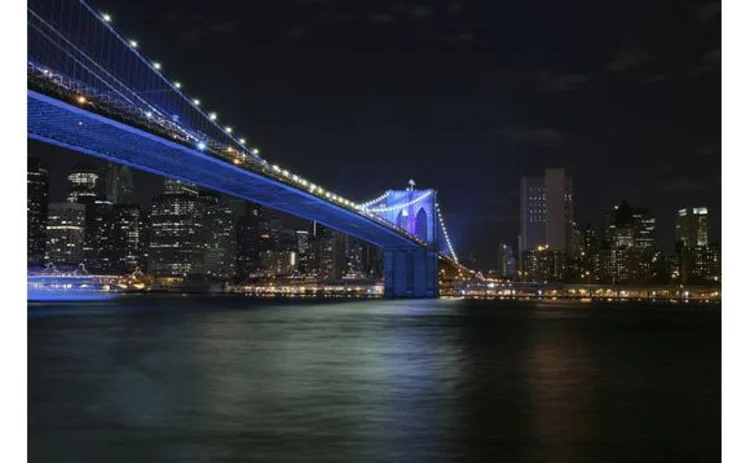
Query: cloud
x=712 y=57
x=295 y=32
x=706 y=150
x=455 y=7
x=381 y=18
x=461 y=37
x=710 y=62
x=627 y=59
x=652 y=78
x=421 y=11
x=708 y=12
x=559 y=82
x=225 y=26
x=683 y=185
x=542 y=136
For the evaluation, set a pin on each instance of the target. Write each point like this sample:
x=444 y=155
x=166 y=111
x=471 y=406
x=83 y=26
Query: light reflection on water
x=228 y=379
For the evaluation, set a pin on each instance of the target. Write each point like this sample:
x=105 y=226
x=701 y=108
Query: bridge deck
x=59 y=123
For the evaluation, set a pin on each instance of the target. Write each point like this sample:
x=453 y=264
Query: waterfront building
x=37 y=208
x=65 y=233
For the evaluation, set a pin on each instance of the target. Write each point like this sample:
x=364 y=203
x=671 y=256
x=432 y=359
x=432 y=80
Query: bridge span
x=91 y=91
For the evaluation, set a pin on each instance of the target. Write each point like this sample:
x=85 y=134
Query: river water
x=225 y=379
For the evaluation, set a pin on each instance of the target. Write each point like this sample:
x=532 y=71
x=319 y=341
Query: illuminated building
x=97 y=243
x=84 y=184
x=127 y=241
x=220 y=230
x=37 y=206
x=175 y=231
x=65 y=233
x=250 y=226
x=506 y=262
x=547 y=211
x=645 y=229
x=692 y=227
x=304 y=251
x=119 y=184
x=330 y=252
x=544 y=265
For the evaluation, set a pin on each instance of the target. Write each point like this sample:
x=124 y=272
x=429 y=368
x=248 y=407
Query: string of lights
x=445 y=234
x=369 y=203
x=402 y=206
x=176 y=85
x=176 y=115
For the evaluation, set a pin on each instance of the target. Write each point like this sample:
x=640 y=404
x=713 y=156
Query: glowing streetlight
x=107 y=18
x=157 y=66
x=133 y=44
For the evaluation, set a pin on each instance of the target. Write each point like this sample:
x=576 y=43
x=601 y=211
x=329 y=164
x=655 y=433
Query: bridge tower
x=411 y=272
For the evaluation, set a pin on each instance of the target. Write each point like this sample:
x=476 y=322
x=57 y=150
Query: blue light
x=201 y=146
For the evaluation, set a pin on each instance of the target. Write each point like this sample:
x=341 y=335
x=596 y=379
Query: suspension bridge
x=92 y=90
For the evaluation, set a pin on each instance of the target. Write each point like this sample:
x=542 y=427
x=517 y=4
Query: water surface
x=223 y=379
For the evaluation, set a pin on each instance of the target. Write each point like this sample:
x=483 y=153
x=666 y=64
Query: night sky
x=465 y=97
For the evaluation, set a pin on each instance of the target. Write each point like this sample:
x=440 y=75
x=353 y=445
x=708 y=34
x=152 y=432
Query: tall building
x=547 y=211
x=220 y=230
x=119 y=184
x=304 y=249
x=506 y=263
x=65 y=233
x=97 y=250
x=84 y=184
x=175 y=231
x=692 y=227
x=645 y=229
x=250 y=226
x=330 y=252
x=127 y=238
x=37 y=207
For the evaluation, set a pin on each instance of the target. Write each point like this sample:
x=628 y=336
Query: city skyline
x=448 y=109
x=150 y=186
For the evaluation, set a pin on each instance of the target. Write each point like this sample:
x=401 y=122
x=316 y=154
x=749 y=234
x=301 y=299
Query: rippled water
x=228 y=379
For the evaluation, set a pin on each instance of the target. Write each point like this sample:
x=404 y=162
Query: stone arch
x=420 y=226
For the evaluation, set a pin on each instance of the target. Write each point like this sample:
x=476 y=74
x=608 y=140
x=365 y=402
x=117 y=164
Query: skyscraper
x=645 y=229
x=175 y=228
x=506 y=263
x=97 y=249
x=119 y=184
x=220 y=231
x=84 y=184
x=547 y=211
x=330 y=252
x=127 y=238
x=692 y=227
x=65 y=233
x=250 y=225
x=37 y=207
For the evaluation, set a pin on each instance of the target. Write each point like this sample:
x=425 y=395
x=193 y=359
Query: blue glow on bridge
x=85 y=94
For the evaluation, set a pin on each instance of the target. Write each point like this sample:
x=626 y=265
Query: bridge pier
x=410 y=273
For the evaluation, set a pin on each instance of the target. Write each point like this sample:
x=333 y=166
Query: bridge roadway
x=410 y=264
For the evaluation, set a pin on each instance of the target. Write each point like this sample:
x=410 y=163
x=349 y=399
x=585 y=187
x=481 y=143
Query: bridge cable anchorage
x=401 y=206
x=445 y=234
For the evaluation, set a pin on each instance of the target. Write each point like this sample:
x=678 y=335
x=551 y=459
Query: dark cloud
x=421 y=11
x=683 y=185
x=228 y=27
x=542 y=136
x=652 y=78
x=710 y=62
x=381 y=18
x=462 y=37
x=550 y=81
x=708 y=12
x=455 y=7
x=296 y=32
x=627 y=59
